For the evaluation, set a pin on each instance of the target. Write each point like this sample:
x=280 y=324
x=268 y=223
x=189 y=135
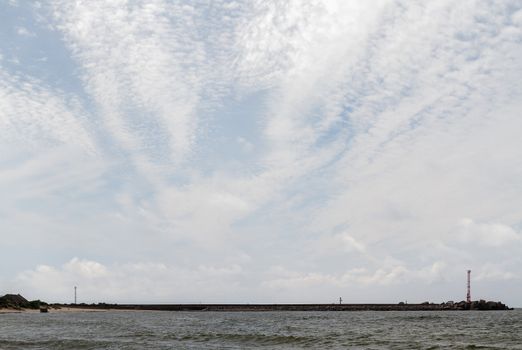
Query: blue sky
x=261 y=151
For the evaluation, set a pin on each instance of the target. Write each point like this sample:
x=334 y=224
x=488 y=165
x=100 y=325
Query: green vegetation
x=16 y=301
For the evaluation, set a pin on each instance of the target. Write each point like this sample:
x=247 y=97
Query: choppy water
x=258 y=330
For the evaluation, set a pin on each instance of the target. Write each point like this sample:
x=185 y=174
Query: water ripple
x=263 y=330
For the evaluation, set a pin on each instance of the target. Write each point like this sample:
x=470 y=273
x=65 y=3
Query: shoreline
x=50 y=310
x=482 y=306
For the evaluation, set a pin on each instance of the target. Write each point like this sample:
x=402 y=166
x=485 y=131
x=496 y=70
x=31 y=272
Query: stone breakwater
x=475 y=305
x=17 y=302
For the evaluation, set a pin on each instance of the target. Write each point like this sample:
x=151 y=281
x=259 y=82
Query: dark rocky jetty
x=481 y=305
x=426 y=306
x=18 y=302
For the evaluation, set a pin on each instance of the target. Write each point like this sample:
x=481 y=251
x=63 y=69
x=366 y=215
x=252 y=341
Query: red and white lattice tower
x=468 y=295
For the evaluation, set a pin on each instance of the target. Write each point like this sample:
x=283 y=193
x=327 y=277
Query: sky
x=261 y=151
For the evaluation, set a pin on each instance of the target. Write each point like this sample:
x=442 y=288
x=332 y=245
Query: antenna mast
x=468 y=295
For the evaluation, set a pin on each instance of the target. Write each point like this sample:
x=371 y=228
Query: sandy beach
x=49 y=310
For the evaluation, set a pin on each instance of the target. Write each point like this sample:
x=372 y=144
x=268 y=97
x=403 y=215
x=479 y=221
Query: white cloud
x=49 y=174
x=487 y=234
x=202 y=211
x=146 y=67
x=367 y=132
x=495 y=272
x=82 y=268
x=245 y=144
x=22 y=31
x=129 y=282
x=342 y=242
x=385 y=276
x=32 y=114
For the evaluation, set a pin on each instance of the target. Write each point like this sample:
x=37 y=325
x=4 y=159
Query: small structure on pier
x=468 y=294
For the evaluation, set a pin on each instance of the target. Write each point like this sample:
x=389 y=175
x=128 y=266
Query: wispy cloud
x=130 y=282
x=22 y=31
x=33 y=114
x=338 y=145
x=146 y=65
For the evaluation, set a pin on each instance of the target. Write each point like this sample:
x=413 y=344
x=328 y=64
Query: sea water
x=262 y=330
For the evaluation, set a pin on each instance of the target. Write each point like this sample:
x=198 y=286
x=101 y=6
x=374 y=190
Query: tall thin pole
x=74 y=295
x=468 y=295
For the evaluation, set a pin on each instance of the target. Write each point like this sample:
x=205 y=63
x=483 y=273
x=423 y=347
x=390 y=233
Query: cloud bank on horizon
x=261 y=151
